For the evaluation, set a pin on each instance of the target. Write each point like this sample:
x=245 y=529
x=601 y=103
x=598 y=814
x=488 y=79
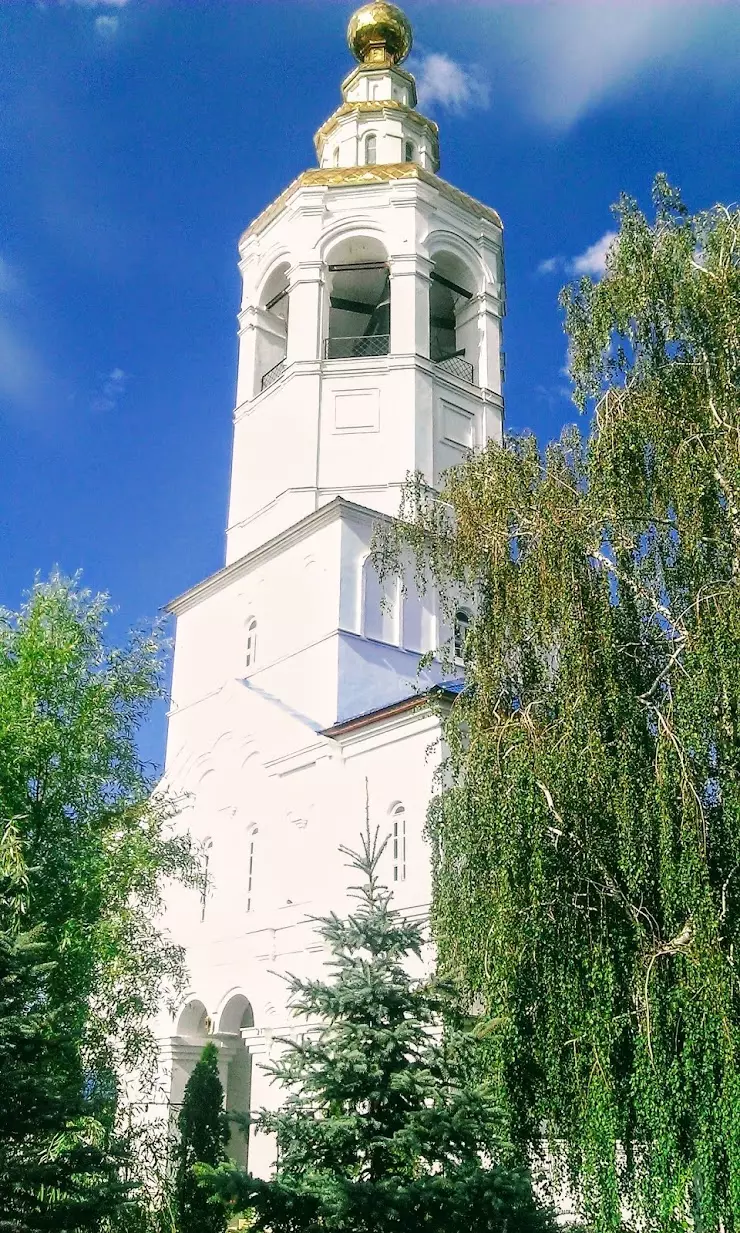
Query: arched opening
x=453 y=338
x=193 y=1020
x=371 y=149
x=272 y=340
x=236 y=1015
x=398 y=843
x=250 y=644
x=379 y=605
x=191 y=1034
x=251 y=850
x=461 y=629
x=234 y=1018
x=409 y=152
x=359 y=300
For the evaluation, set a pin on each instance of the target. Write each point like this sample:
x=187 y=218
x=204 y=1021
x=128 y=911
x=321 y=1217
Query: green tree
x=379 y=1130
x=587 y=844
x=59 y=1168
x=95 y=844
x=203 y=1134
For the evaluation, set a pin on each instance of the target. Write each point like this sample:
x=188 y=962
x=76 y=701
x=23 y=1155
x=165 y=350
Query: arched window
x=250 y=650
x=235 y=1017
x=193 y=1020
x=336 y=156
x=272 y=333
x=453 y=329
x=359 y=300
x=371 y=148
x=462 y=629
x=250 y=868
x=398 y=843
x=409 y=151
x=205 y=878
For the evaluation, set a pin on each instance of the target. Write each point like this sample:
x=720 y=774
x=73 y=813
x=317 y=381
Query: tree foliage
x=59 y=1168
x=95 y=839
x=380 y=1130
x=84 y=957
x=203 y=1134
x=587 y=845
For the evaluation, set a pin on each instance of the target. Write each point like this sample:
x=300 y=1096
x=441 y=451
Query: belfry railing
x=457 y=367
x=273 y=374
x=356 y=348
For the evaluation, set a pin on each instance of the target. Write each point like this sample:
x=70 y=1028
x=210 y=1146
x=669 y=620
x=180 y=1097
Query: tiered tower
x=369 y=347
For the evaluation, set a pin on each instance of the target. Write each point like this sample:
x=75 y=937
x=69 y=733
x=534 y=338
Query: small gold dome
x=379 y=34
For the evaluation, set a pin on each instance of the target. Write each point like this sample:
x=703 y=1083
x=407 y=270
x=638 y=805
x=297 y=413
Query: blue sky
x=138 y=139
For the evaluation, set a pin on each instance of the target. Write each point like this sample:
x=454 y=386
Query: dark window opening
x=462 y=629
x=359 y=310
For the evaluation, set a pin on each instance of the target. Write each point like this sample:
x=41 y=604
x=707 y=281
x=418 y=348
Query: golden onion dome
x=379 y=34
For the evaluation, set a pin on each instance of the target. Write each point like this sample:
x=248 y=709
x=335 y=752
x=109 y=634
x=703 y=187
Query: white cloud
x=107 y=22
x=443 y=81
x=20 y=369
x=19 y=363
x=572 y=54
x=111 y=391
x=591 y=261
x=106 y=25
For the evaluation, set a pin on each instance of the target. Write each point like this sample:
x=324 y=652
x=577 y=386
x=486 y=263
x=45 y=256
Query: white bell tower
x=370 y=330
x=369 y=347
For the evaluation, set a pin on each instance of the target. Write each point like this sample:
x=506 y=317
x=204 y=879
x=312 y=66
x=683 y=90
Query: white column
x=261 y=345
x=470 y=335
x=264 y=1094
x=410 y=304
x=245 y=378
x=489 y=319
x=304 y=319
x=179 y=1058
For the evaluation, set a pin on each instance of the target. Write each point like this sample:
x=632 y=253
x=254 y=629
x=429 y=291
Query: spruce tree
x=203 y=1134
x=380 y=1129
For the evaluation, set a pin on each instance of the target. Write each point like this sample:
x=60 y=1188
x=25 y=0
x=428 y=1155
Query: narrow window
x=250 y=870
x=371 y=148
x=462 y=628
x=250 y=653
x=399 y=844
x=409 y=151
x=336 y=156
x=205 y=882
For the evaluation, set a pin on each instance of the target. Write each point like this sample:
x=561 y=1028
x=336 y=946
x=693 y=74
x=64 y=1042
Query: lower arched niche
x=193 y=1020
x=185 y=1047
x=236 y=1015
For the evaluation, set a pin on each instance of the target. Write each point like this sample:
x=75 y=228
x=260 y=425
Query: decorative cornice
x=373 y=107
x=418 y=705
x=367 y=70
x=370 y=176
x=292 y=535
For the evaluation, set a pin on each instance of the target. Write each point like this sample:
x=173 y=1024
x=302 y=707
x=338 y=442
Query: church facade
x=369 y=348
